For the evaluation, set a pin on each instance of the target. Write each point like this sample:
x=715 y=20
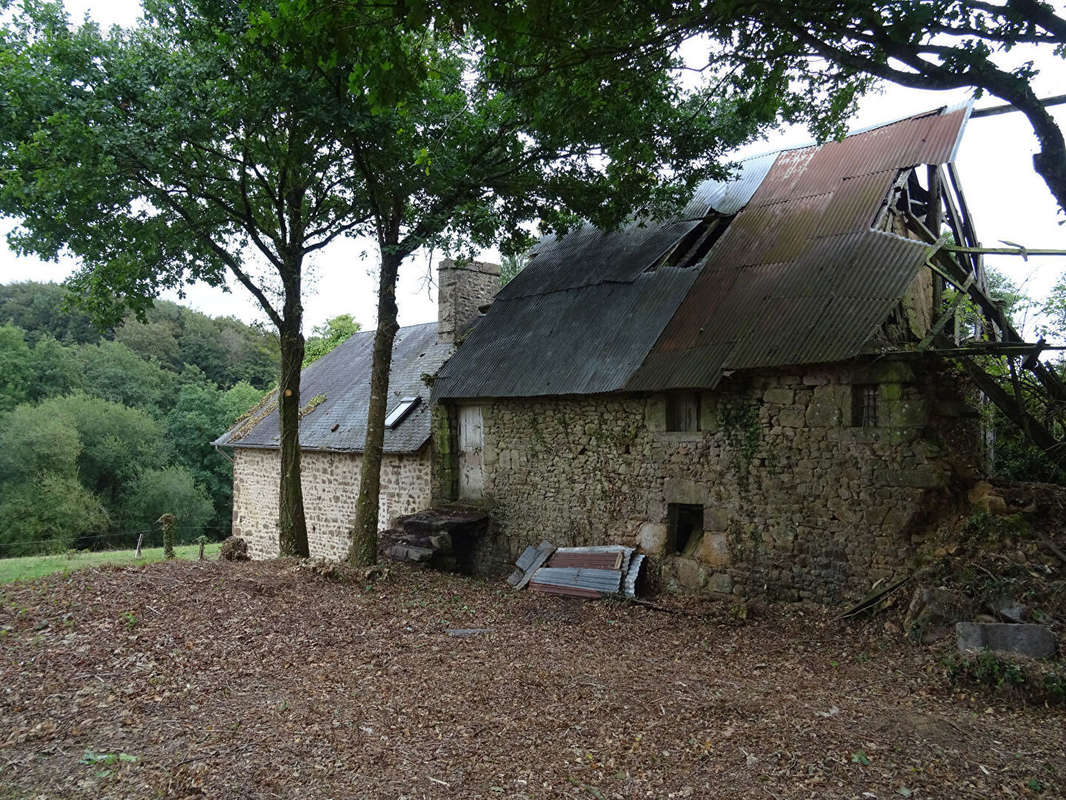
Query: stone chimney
x=461 y=290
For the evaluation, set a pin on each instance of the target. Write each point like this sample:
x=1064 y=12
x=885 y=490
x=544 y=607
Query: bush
x=171 y=490
x=47 y=514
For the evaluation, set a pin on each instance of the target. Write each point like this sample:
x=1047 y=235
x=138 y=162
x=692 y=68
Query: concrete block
x=1035 y=641
x=683 y=490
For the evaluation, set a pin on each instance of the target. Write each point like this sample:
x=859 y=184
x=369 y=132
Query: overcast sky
x=1006 y=198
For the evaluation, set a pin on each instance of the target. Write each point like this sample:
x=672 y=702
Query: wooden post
x=202 y=543
x=140 y=540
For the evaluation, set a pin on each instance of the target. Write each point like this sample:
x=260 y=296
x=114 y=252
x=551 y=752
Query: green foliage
x=43 y=310
x=67 y=427
x=117 y=442
x=171 y=490
x=995 y=528
x=739 y=422
x=1053 y=311
x=116 y=373
x=510 y=266
x=47 y=513
x=33 y=443
x=325 y=338
x=1036 y=682
x=16 y=374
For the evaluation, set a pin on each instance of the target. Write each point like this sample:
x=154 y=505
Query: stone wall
x=797 y=503
x=461 y=290
x=331 y=487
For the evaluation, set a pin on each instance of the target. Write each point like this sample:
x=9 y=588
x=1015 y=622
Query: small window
x=864 y=404
x=397 y=415
x=684 y=527
x=683 y=411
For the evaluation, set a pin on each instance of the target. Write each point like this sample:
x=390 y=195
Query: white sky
x=1007 y=201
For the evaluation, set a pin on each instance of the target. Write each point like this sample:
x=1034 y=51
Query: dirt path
x=258 y=681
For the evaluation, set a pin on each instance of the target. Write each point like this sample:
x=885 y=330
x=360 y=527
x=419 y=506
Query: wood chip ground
x=258 y=680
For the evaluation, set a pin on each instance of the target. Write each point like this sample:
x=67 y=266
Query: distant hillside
x=102 y=431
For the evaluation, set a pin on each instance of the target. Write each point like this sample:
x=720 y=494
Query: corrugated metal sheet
x=728 y=197
x=587 y=560
x=566 y=591
x=629 y=584
x=343 y=376
x=602 y=581
x=574 y=341
x=798 y=277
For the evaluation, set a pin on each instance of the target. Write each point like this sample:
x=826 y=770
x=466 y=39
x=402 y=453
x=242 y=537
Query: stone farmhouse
x=745 y=393
x=333 y=427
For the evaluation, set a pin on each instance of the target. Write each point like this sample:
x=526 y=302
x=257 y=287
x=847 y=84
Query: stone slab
x=1035 y=641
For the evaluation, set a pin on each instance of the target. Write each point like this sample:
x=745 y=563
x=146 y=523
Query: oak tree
x=184 y=149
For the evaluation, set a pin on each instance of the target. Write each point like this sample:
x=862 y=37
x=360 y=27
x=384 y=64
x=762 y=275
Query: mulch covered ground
x=259 y=680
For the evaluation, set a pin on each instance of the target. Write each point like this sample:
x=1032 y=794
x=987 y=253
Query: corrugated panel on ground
x=605 y=581
x=587 y=560
x=566 y=591
x=343 y=376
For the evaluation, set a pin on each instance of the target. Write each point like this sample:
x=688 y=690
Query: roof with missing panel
x=799 y=276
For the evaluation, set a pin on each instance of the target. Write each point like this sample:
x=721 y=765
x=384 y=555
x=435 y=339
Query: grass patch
x=29 y=567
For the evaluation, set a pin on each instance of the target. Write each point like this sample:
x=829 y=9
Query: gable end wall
x=330 y=487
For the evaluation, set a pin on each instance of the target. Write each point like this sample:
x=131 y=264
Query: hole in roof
x=693 y=247
x=396 y=416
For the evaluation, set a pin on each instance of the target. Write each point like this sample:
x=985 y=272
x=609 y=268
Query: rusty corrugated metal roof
x=799 y=276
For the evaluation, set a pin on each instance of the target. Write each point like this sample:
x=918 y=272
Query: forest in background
x=102 y=431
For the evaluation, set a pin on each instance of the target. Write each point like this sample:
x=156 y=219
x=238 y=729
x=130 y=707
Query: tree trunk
x=292 y=527
x=364 y=550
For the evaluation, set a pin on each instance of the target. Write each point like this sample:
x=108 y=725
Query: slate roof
x=343 y=376
x=799 y=276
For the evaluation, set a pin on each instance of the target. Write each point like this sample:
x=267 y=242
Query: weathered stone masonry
x=331 y=487
x=797 y=502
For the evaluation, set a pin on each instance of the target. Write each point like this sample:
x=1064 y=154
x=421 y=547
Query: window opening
x=864 y=398
x=685 y=527
x=683 y=411
x=396 y=416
